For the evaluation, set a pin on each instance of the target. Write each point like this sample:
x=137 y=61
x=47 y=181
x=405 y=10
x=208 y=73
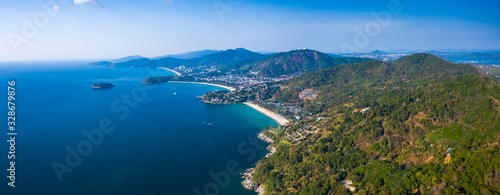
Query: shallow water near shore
x=164 y=141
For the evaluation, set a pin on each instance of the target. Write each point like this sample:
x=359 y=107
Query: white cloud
x=56 y=8
x=168 y=1
x=95 y=3
x=82 y=1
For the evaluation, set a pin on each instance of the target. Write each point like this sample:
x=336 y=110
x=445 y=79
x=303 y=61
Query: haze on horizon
x=103 y=29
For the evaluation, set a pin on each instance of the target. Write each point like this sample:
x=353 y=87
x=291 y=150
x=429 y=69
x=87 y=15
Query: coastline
x=203 y=83
x=248 y=173
x=279 y=119
x=177 y=73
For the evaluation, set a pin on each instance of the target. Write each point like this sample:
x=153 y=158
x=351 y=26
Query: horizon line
x=389 y=51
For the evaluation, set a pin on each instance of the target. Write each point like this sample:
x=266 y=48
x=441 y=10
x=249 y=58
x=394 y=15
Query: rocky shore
x=265 y=138
x=248 y=183
x=269 y=148
x=248 y=173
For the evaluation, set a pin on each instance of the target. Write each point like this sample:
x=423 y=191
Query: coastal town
x=212 y=75
x=256 y=92
x=245 y=88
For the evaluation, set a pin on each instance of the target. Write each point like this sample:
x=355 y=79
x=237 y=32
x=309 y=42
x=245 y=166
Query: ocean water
x=163 y=140
x=475 y=60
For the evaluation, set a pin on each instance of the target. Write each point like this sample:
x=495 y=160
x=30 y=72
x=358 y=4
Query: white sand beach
x=223 y=86
x=279 y=119
x=177 y=73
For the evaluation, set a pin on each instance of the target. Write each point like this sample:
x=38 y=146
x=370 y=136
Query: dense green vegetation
x=355 y=82
x=240 y=96
x=297 y=61
x=102 y=86
x=433 y=128
x=156 y=80
x=230 y=60
x=492 y=72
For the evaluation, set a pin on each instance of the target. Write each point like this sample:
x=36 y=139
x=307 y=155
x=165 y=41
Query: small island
x=102 y=86
x=157 y=80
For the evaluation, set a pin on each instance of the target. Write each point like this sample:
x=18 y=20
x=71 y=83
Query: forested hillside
x=432 y=127
x=298 y=61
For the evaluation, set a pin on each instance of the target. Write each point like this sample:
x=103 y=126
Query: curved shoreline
x=248 y=173
x=279 y=119
x=177 y=73
x=203 y=83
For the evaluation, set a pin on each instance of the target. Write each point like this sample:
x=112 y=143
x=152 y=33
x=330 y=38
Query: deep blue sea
x=139 y=139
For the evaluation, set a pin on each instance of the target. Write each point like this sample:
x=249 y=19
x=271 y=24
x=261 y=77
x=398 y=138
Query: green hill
x=371 y=78
x=420 y=106
x=229 y=59
x=140 y=62
x=297 y=61
x=157 y=80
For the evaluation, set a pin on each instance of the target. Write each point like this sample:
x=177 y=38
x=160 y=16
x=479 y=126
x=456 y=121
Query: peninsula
x=177 y=73
x=204 y=83
x=156 y=80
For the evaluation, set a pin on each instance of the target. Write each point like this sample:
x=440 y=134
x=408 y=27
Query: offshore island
x=102 y=86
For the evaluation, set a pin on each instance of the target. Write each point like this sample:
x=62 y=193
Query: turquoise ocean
x=163 y=140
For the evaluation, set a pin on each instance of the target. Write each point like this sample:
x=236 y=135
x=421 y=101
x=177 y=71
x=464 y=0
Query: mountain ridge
x=429 y=127
x=241 y=60
x=189 y=55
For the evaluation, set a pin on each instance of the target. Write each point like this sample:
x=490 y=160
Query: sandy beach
x=177 y=73
x=279 y=119
x=223 y=86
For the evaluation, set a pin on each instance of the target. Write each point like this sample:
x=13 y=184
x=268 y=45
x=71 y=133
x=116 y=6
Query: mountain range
x=241 y=61
x=431 y=127
x=190 y=55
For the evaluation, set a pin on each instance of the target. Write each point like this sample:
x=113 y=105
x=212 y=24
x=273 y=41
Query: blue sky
x=101 y=29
